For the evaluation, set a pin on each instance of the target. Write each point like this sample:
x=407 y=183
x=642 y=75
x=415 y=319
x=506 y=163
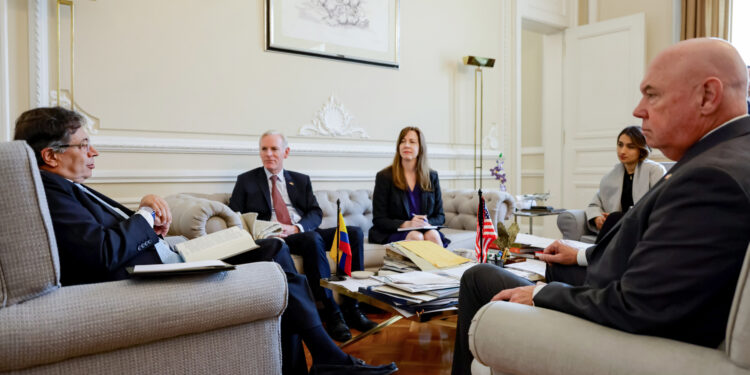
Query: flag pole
x=481 y=229
x=337 y=237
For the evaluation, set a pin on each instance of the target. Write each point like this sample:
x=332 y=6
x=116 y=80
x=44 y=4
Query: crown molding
x=230 y=175
x=360 y=148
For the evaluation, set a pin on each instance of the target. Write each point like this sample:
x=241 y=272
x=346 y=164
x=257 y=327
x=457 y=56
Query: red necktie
x=282 y=214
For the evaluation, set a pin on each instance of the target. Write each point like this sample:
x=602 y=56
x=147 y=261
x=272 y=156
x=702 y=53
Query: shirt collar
x=280 y=175
x=723 y=125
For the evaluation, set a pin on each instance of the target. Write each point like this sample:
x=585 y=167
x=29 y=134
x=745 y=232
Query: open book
x=218 y=245
x=260 y=229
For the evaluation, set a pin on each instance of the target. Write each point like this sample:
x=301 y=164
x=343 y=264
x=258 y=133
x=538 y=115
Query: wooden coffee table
x=433 y=316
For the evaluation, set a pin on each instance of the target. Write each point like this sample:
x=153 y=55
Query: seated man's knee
x=471 y=274
x=313 y=241
x=355 y=232
x=415 y=236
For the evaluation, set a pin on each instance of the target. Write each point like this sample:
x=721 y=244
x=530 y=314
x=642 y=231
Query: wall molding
x=230 y=175
x=532 y=173
x=250 y=147
x=5 y=125
x=532 y=150
x=38 y=30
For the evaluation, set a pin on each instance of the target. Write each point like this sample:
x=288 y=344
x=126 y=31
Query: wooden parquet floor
x=417 y=348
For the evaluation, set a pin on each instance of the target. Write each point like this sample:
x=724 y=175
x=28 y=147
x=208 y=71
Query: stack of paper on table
x=531 y=269
x=416 y=291
x=426 y=255
x=542 y=242
x=391 y=263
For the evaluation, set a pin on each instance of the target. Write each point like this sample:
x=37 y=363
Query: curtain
x=706 y=18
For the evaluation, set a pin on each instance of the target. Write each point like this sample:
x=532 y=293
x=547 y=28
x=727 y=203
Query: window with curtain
x=706 y=18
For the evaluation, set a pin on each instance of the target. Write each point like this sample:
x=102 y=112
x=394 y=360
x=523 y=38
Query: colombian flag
x=345 y=251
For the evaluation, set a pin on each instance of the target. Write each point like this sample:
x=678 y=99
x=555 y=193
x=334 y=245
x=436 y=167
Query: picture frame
x=363 y=31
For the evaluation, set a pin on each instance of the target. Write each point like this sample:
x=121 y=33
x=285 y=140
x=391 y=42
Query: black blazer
x=669 y=267
x=251 y=194
x=94 y=243
x=390 y=207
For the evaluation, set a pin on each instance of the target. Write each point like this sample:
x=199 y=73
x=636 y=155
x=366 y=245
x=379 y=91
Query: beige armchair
x=519 y=339
x=219 y=323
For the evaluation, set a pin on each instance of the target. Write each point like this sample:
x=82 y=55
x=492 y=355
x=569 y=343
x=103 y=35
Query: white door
x=603 y=65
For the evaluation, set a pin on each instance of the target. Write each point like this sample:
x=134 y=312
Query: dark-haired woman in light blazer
x=407 y=195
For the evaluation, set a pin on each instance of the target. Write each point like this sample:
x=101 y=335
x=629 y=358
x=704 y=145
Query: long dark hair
x=639 y=140
x=423 y=168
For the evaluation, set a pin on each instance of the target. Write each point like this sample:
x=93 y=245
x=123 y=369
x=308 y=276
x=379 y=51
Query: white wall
x=183 y=88
x=660 y=20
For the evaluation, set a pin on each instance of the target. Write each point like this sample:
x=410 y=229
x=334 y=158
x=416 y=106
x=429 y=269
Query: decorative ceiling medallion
x=91 y=123
x=333 y=121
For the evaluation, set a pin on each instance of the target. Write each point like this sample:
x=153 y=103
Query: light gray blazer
x=607 y=199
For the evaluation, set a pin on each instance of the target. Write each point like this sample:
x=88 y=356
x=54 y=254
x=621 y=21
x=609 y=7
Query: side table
x=531 y=214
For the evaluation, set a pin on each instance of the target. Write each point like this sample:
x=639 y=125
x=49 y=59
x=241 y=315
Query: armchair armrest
x=194 y=217
x=572 y=224
x=88 y=319
x=520 y=339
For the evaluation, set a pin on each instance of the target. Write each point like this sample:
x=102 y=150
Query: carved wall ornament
x=491 y=139
x=91 y=122
x=333 y=121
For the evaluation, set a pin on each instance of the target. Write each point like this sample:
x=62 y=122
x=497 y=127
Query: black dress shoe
x=355 y=366
x=337 y=329
x=355 y=319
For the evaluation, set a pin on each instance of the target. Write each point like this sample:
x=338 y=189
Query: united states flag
x=487 y=230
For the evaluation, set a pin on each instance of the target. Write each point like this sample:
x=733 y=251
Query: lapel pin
x=291 y=183
x=667 y=176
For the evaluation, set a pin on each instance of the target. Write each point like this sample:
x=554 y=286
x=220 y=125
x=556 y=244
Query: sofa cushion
x=356 y=207
x=29 y=264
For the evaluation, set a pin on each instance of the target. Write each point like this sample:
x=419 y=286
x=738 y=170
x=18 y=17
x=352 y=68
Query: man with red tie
x=287 y=197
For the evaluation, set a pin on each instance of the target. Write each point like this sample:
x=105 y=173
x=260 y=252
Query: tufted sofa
x=166 y=326
x=195 y=215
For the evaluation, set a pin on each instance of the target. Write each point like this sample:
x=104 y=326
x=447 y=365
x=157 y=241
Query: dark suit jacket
x=94 y=243
x=669 y=267
x=390 y=207
x=253 y=184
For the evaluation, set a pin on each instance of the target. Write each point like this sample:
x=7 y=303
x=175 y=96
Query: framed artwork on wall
x=365 y=31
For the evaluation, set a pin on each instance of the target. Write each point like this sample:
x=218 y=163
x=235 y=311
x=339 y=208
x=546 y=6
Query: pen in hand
x=420 y=217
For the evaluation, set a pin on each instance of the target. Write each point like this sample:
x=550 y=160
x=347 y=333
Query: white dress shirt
x=281 y=187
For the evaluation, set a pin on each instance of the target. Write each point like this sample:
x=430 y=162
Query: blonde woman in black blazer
x=407 y=195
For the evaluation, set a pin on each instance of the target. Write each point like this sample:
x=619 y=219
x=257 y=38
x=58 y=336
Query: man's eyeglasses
x=85 y=146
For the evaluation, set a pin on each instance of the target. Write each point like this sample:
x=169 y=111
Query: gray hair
x=284 y=143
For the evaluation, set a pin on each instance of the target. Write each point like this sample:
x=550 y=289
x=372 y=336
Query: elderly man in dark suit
x=669 y=267
x=287 y=197
x=97 y=238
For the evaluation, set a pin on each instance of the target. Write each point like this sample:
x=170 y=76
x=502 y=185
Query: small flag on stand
x=343 y=254
x=485 y=232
